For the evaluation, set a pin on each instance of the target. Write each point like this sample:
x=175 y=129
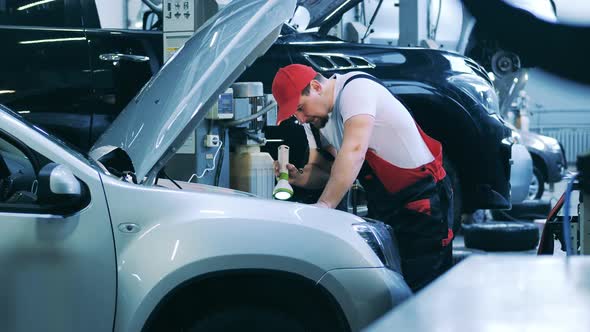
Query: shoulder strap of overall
x=350 y=79
x=378 y=81
x=367 y=76
x=338 y=130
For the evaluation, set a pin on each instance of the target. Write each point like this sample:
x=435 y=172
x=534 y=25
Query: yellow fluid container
x=252 y=171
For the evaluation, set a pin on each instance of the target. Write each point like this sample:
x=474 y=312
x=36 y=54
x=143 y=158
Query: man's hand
x=295 y=175
x=314 y=175
x=321 y=205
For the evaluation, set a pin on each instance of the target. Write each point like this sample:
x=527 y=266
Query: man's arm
x=349 y=160
x=317 y=170
x=315 y=174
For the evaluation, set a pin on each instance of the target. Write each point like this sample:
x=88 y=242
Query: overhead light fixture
x=283 y=190
x=33 y=4
x=4 y=92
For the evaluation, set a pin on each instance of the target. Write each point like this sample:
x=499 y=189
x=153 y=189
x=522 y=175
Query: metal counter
x=500 y=293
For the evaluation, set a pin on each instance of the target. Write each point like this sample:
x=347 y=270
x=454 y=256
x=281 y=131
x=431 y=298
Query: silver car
x=93 y=243
x=521 y=171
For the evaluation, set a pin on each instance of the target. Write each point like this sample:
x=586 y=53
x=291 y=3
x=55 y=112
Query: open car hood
x=329 y=11
x=323 y=11
x=155 y=124
x=543 y=10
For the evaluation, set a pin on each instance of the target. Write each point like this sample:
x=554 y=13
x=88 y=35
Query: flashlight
x=283 y=189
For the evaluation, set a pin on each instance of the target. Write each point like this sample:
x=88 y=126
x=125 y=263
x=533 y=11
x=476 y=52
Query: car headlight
x=478 y=89
x=380 y=239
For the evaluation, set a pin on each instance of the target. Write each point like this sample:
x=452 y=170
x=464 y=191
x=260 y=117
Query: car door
x=44 y=66
x=122 y=61
x=58 y=271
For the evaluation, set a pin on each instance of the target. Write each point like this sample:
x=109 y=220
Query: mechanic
x=372 y=136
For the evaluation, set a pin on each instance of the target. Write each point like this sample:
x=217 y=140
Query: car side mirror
x=59 y=189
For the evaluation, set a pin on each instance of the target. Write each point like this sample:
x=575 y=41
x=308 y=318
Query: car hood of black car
x=321 y=11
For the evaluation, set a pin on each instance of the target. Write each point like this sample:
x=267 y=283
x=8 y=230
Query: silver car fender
x=166 y=237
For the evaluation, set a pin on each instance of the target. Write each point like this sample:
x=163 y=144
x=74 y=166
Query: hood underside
x=324 y=11
x=155 y=124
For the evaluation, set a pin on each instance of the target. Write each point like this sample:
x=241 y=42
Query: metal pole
x=584 y=213
x=126 y=15
x=413 y=27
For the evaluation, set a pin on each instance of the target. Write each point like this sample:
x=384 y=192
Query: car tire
x=501 y=236
x=537 y=187
x=457 y=193
x=525 y=211
x=245 y=318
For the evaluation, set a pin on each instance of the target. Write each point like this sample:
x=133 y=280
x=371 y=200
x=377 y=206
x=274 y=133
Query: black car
x=450 y=96
x=75 y=84
x=61 y=71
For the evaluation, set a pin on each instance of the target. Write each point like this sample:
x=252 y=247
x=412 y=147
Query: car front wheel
x=537 y=186
x=245 y=318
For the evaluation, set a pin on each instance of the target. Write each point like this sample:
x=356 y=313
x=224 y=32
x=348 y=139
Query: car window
x=47 y=13
x=17 y=174
x=7 y=148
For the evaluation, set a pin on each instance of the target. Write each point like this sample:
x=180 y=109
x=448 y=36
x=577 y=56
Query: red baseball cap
x=287 y=86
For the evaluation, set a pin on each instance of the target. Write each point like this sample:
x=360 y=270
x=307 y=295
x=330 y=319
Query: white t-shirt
x=395 y=136
x=310 y=138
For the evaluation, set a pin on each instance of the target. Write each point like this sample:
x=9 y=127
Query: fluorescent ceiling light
x=33 y=4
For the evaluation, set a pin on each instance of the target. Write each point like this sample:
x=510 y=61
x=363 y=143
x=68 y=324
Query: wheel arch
x=449 y=112
x=539 y=163
x=231 y=283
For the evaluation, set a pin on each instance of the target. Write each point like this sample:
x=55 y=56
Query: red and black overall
x=417 y=203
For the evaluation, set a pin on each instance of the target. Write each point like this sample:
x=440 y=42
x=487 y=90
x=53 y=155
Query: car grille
x=333 y=61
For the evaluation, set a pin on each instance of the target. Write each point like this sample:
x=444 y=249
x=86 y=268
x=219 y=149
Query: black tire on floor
x=242 y=318
x=505 y=215
x=457 y=193
x=524 y=211
x=501 y=236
